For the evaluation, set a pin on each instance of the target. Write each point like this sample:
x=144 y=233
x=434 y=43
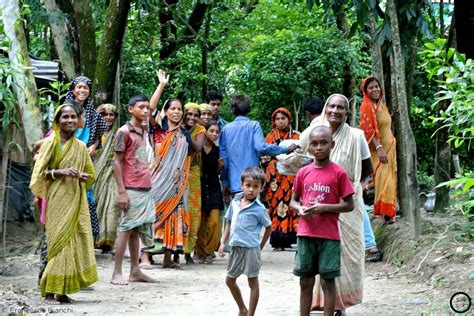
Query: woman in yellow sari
x=376 y=122
x=197 y=131
x=105 y=188
x=61 y=175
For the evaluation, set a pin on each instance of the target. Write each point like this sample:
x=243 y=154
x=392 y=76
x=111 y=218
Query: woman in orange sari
x=376 y=122
x=170 y=175
x=278 y=187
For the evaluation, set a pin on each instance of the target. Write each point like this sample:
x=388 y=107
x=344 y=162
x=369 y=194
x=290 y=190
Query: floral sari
x=71 y=261
x=278 y=190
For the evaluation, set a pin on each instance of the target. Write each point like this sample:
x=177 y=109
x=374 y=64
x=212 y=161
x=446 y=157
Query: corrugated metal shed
x=42 y=69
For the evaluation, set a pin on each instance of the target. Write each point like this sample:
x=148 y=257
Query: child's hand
x=316 y=208
x=221 y=250
x=305 y=212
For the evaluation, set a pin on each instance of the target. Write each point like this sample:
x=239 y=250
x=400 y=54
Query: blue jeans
x=369 y=237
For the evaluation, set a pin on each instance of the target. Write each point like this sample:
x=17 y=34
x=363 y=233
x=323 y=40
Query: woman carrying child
x=278 y=187
x=212 y=202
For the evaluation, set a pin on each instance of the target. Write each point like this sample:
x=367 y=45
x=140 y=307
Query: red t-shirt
x=326 y=185
x=135 y=165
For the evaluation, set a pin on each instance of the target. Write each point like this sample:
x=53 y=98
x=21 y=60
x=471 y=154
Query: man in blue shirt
x=241 y=145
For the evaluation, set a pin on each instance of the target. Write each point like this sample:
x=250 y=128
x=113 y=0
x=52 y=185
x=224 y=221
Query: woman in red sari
x=376 y=122
x=278 y=187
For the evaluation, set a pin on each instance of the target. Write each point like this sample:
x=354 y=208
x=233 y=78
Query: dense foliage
x=455 y=77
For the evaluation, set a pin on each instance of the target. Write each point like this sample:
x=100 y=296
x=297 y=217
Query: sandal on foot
x=375 y=256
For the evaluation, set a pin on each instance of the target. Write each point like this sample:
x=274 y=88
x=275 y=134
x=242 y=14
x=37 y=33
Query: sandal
x=375 y=256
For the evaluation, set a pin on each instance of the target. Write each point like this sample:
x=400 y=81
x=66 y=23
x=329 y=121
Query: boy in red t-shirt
x=133 y=177
x=321 y=191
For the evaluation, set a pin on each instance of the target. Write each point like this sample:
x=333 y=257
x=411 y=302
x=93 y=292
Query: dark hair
x=240 y=104
x=212 y=123
x=168 y=103
x=78 y=106
x=213 y=95
x=65 y=105
x=253 y=173
x=137 y=98
x=314 y=106
x=370 y=80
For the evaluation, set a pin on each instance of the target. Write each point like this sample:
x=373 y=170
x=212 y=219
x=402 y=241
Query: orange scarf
x=368 y=113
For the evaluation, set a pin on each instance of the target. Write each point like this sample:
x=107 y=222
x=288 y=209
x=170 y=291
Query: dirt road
x=200 y=290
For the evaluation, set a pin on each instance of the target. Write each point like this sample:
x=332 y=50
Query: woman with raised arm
x=170 y=175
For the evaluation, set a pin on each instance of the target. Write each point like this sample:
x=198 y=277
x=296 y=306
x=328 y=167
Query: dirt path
x=200 y=290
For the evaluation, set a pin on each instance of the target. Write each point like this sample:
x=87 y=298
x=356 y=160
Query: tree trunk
x=86 y=31
x=109 y=53
x=442 y=166
x=408 y=196
x=23 y=76
x=205 y=55
x=410 y=69
x=25 y=87
x=65 y=6
x=375 y=50
x=61 y=37
x=463 y=14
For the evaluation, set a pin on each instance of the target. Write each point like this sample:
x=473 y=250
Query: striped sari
x=106 y=193
x=71 y=261
x=170 y=175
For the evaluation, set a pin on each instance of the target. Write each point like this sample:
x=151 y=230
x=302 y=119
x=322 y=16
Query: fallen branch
x=443 y=235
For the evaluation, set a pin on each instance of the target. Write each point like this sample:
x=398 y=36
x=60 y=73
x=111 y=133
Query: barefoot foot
x=117 y=279
x=50 y=300
x=139 y=276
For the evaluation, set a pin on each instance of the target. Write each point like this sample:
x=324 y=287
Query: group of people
x=163 y=179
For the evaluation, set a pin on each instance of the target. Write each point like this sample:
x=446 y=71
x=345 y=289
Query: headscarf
x=204 y=107
x=191 y=105
x=277 y=135
x=368 y=112
x=283 y=111
x=322 y=120
x=94 y=121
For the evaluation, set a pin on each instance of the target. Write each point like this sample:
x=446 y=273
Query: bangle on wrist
x=378 y=147
x=52 y=174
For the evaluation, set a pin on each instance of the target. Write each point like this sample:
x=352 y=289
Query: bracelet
x=52 y=174
x=378 y=147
